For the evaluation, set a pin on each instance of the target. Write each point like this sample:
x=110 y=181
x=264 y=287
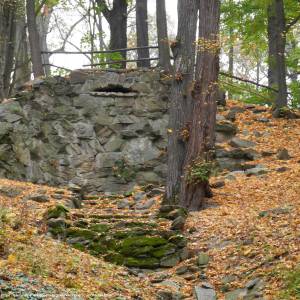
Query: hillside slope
x=245 y=244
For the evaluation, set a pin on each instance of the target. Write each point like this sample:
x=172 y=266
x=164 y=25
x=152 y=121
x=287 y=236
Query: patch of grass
x=292 y=284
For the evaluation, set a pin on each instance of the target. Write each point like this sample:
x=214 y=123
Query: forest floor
x=250 y=230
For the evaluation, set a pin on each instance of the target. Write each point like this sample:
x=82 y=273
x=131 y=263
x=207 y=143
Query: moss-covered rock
x=148 y=262
x=142 y=241
x=170 y=260
x=97 y=248
x=179 y=240
x=59 y=211
x=79 y=232
x=79 y=246
x=164 y=250
x=101 y=228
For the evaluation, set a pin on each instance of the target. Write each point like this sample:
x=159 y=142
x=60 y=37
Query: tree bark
x=181 y=99
x=117 y=20
x=202 y=132
x=277 y=57
x=43 y=22
x=142 y=32
x=34 y=40
x=231 y=57
x=162 y=35
x=7 y=45
x=22 y=67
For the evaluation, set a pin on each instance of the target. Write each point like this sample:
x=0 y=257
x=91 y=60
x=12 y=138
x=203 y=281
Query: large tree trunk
x=277 y=63
x=34 y=40
x=195 y=185
x=117 y=20
x=142 y=32
x=181 y=99
x=162 y=35
x=7 y=45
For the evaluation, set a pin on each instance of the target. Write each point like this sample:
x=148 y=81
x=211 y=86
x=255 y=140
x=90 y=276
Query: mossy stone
x=57 y=231
x=116 y=258
x=101 y=228
x=164 y=250
x=97 y=248
x=81 y=223
x=178 y=240
x=149 y=263
x=140 y=241
x=78 y=246
x=57 y=212
x=79 y=232
x=170 y=260
x=203 y=259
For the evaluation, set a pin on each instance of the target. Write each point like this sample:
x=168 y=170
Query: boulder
x=283 y=154
x=205 y=292
x=239 y=143
x=202 y=259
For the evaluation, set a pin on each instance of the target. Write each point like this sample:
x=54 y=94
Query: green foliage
x=199 y=171
x=123 y=171
x=295 y=92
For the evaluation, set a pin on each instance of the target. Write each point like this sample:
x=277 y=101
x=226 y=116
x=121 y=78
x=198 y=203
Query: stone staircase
x=130 y=237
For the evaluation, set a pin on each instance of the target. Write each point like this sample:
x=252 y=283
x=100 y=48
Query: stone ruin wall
x=101 y=131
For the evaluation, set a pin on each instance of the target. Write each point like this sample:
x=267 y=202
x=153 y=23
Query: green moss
x=149 y=263
x=79 y=246
x=81 y=223
x=97 y=248
x=178 y=240
x=101 y=228
x=57 y=212
x=116 y=258
x=199 y=171
x=139 y=224
x=140 y=251
x=79 y=232
x=143 y=241
x=56 y=231
x=132 y=233
x=164 y=250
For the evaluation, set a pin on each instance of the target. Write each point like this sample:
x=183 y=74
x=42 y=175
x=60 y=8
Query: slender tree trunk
x=231 y=57
x=181 y=100
x=294 y=71
x=22 y=66
x=34 y=39
x=8 y=69
x=43 y=22
x=7 y=44
x=142 y=32
x=195 y=185
x=277 y=60
x=258 y=65
x=117 y=20
x=162 y=35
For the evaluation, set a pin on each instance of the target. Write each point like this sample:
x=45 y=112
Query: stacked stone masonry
x=101 y=131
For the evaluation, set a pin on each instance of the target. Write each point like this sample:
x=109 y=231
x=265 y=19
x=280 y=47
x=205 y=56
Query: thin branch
x=248 y=81
x=98 y=52
x=114 y=62
x=292 y=23
x=105 y=10
x=58 y=67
